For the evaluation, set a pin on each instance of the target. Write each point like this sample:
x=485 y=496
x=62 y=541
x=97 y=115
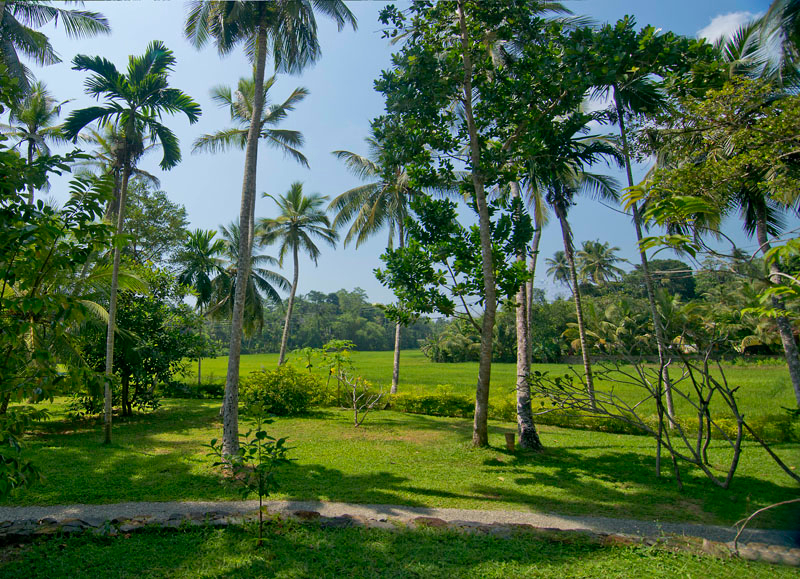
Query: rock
x=715 y=549
x=48 y=521
x=306 y=515
x=429 y=522
x=130 y=526
x=500 y=531
x=176 y=517
x=378 y=524
x=336 y=522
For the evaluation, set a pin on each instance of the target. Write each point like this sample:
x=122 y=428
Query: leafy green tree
x=161 y=334
x=628 y=67
x=288 y=30
x=32 y=122
x=672 y=275
x=42 y=295
x=448 y=99
x=743 y=144
x=299 y=222
x=156 y=227
x=134 y=102
x=20 y=18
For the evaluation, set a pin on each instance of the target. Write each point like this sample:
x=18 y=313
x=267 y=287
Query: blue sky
x=336 y=115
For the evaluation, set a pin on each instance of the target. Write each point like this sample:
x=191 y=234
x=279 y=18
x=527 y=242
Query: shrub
x=283 y=392
x=442 y=404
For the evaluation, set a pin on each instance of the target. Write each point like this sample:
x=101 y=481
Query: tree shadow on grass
x=625 y=485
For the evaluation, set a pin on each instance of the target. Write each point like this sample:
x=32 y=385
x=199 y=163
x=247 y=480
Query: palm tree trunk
x=230 y=421
x=480 y=432
x=537 y=237
x=783 y=323
x=112 y=307
x=397 y=327
x=528 y=437
x=289 y=307
x=576 y=294
x=648 y=280
x=30 y=162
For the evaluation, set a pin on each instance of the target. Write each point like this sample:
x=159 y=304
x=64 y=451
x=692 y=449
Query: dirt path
x=171 y=510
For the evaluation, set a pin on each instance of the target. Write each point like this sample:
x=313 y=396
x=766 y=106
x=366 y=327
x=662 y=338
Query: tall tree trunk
x=230 y=420
x=528 y=437
x=398 y=327
x=199 y=371
x=480 y=432
x=289 y=307
x=537 y=237
x=783 y=323
x=566 y=234
x=112 y=307
x=30 y=162
x=126 y=383
x=658 y=328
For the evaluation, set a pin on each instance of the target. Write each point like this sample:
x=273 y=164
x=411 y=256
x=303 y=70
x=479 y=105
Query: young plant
x=361 y=399
x=254 y=465
x=336 y=356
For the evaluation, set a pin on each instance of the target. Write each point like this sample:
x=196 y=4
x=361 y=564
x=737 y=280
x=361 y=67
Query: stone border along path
x=755 y=544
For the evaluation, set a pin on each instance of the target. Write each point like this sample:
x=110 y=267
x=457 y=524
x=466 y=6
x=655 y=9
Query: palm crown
x=200 y=263
x=18 y=19
x=134 y=101
x=261 y=282
x=290 y=25
x=240 y=105
x=300 y=220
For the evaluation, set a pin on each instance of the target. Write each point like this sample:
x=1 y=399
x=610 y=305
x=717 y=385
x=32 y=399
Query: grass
x=293 y=550
x=763 y=389
x=397 y=458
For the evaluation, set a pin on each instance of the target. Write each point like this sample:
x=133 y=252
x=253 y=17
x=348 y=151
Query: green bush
x=433 y=404
x=284 y=391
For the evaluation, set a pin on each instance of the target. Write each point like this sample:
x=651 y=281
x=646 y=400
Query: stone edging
x=27 y=529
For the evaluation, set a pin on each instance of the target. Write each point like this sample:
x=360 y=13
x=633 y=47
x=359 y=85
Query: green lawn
x=397 y=458
x=291 y=550
x=763 y=389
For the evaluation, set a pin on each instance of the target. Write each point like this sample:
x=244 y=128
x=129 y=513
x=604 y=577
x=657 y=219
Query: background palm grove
x=517 y=184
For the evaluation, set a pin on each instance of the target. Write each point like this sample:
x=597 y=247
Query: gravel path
x=403 y=513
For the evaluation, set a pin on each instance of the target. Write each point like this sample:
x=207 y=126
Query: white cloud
x=725 y=25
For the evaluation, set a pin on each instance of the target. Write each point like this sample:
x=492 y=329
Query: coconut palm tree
x=780 y=28
x=560 y=171
x=371 y=207
x=558 y=267
x=200 y=263
x=300 y=220
x=287 y=29
x=19 y=18
x=134 y=102
x=596 y=262
x=261 y=283
x=31 y=121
